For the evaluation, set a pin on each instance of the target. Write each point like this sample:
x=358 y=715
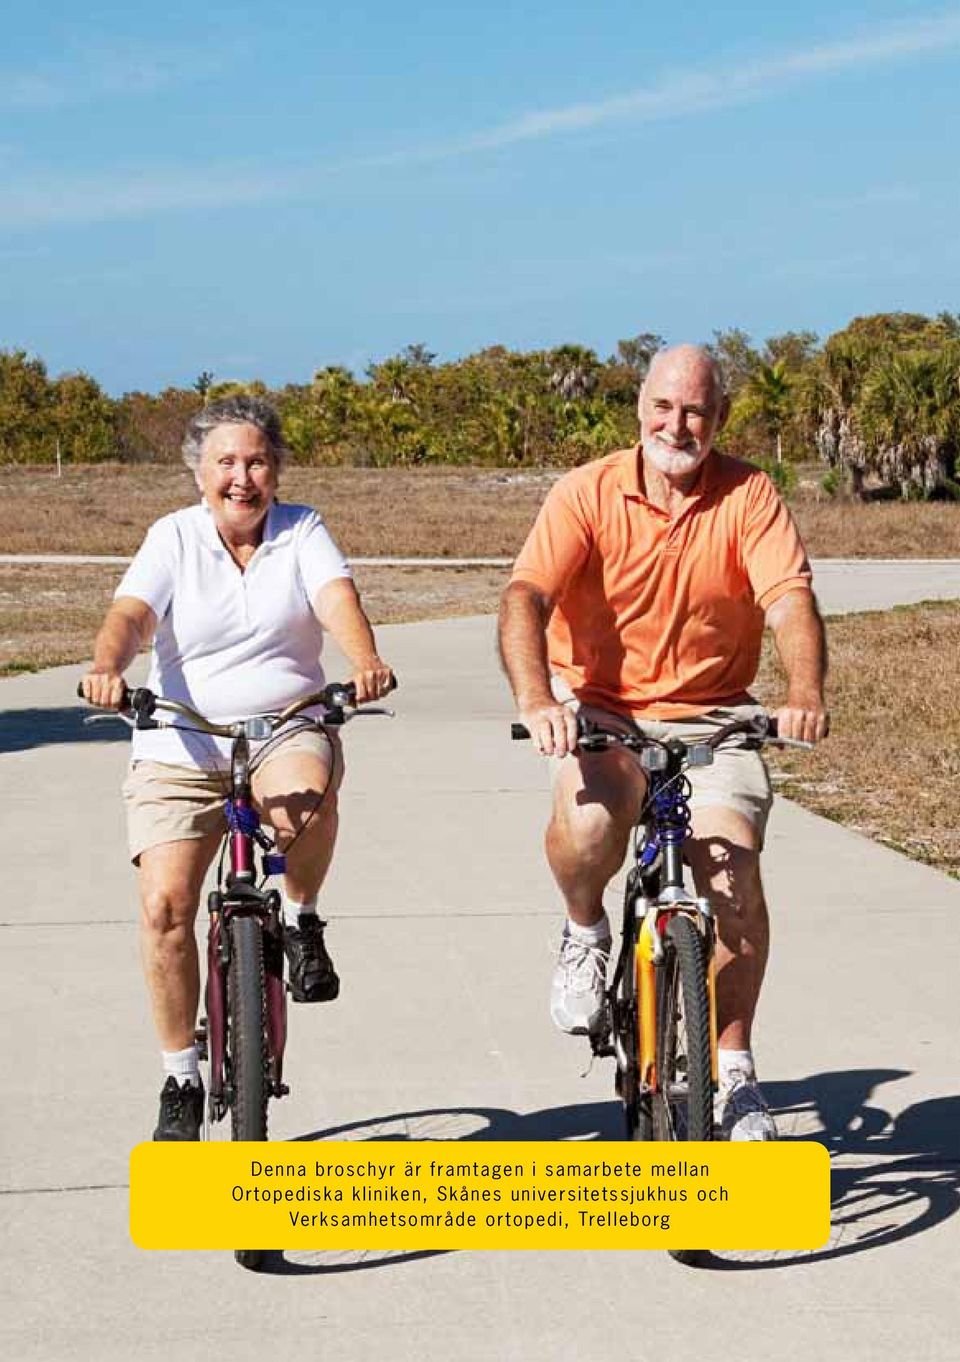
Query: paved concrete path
x=849 y=584
x=444 y=925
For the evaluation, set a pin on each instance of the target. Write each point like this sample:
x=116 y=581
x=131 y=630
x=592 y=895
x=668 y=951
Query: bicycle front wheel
x=682 y=1106
x=246 y=1044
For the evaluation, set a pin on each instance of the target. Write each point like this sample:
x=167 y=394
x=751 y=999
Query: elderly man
x=642 y=592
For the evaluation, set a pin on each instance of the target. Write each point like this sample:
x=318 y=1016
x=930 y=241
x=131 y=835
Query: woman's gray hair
x=238 y=410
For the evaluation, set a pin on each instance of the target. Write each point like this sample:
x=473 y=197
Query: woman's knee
x=308 y=816
x=167 y=913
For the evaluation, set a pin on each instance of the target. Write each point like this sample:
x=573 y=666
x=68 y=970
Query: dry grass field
x=49 y=614
x=412 y=512
x=891 y=766
x=417 y=512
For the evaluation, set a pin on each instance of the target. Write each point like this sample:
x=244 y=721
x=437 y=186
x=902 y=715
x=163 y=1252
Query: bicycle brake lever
x=107 y=718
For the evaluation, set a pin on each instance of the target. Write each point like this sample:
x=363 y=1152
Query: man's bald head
x=694 y=361
x=682 y=406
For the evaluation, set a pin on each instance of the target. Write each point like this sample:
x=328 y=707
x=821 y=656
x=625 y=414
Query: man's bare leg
x=596 y=802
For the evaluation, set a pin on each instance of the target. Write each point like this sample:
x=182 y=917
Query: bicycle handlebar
x=592 y=737
x=141 y=704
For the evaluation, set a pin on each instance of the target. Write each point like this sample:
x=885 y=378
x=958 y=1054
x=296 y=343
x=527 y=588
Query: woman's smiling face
x=237 y=475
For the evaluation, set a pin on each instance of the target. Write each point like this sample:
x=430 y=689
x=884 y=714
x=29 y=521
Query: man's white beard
x=671 y=461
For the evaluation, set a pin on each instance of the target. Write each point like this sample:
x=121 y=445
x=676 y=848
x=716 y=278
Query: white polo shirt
x=231 y=644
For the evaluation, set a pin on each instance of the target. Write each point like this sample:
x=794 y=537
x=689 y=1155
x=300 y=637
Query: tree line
x=878 y=401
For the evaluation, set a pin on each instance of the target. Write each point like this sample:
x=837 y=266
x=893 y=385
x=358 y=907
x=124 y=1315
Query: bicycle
x=242 y=1035
x=659 y=1020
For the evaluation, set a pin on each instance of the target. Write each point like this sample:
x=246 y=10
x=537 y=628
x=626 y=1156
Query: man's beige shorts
x=168 y=803
x=738 y=777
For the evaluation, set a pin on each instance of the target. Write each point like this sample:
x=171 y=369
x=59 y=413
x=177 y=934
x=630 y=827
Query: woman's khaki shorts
x=738 y=777
x=169 y=803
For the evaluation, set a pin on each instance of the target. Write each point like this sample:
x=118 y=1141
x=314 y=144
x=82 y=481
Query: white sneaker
x=741 y=1109
x=576 y=992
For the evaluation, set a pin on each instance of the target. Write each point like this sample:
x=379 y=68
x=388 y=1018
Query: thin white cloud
x=107 y=198
x=90 y=73
x=148 y=192
x=699 y=92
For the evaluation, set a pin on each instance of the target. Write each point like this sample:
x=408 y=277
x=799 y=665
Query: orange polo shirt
x=654 y=615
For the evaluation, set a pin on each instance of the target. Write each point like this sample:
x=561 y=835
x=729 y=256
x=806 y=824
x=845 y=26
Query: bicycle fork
x=648 y=964
x=212 y=1032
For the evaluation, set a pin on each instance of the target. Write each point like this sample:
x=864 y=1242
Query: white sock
x=293 y=912
x=728 y=1060
x=183 y=1065
x=590 y=936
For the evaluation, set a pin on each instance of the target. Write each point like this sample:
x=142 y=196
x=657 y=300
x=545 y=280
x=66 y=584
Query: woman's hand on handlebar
x=372 y=680
x=106 y=690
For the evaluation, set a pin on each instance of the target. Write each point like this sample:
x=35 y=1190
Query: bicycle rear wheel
x=246 y=1044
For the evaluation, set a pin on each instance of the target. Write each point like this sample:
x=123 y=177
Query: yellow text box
x=496 y=1195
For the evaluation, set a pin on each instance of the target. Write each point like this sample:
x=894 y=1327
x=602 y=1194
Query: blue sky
x=260 y=194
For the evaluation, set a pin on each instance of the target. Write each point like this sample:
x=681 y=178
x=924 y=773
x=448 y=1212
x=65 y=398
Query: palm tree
x=909 y=412
x=573 y=371
x=769 y=385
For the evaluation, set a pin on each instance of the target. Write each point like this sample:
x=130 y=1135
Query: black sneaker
x=181 y=1111
x=312 y=976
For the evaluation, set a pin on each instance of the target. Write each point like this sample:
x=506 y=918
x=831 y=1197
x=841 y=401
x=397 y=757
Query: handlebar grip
x=124 y=703
x=519 y=732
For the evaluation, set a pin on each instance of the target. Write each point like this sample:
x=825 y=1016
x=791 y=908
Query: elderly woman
x=235 y=594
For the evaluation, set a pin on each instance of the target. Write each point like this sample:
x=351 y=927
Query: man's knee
x=589 y=831
x=725 y=857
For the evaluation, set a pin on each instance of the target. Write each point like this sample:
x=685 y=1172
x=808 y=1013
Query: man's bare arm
x=524 y=612
x=127 y=627
x=801 y=644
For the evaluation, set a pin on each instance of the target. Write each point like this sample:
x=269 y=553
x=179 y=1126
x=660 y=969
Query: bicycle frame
x=655 y=891
x=240 y=896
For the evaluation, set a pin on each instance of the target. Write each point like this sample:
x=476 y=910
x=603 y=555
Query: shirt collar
x=211 y=537
x=631 y=463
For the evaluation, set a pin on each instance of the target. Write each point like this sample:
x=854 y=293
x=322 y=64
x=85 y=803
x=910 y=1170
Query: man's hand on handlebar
x=552 y=727
x=803 y=718
x=106 y=690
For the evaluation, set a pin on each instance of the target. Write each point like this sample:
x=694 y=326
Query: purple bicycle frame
x=241 y=896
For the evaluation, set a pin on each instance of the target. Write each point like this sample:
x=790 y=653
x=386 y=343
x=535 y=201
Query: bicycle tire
x=682 y=1108
x=683 y=1049
x=683 y=1041
x=247 y=1044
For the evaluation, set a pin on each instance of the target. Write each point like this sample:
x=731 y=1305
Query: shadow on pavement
x=592 y=1121
x=21 y=730
x=893 y=1177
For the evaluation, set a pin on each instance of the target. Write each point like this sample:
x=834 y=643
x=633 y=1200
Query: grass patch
x=417 y=512
x=891 y=766
x=405 y=512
